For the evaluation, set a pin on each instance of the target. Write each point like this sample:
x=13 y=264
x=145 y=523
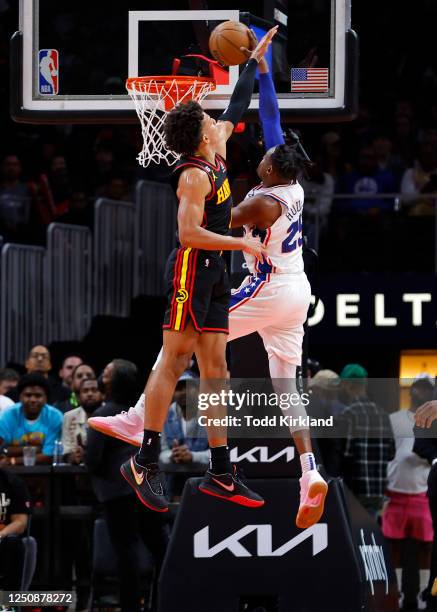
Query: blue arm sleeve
x=269 y=112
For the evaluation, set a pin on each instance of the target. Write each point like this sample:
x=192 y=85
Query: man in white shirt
x=8 y=380
x=408 y=514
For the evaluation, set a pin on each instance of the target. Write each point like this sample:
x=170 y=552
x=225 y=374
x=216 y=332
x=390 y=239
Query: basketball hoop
x=154 y=97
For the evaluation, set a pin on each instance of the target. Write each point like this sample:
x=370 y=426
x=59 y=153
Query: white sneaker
x=126 y=426
x=313 y=490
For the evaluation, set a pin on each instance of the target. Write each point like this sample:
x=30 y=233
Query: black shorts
x=198 y=290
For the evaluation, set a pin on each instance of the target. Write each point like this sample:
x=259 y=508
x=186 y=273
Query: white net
x=153 y=99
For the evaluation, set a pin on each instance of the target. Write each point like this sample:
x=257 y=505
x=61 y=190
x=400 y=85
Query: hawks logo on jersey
x=284 y=238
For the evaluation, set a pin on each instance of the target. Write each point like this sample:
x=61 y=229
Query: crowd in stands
x=373 y=452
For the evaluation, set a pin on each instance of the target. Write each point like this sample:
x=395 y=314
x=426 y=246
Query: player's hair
x=287 y=161
x=183 y=128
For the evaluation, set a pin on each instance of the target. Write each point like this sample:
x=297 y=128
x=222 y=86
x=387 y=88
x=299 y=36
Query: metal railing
x=113 y=257
x=68 y=268
x=155 y=235
x=23 y=299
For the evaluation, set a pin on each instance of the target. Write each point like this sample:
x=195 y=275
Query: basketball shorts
x=275 y=306
x=198 y=290
x=408 y=516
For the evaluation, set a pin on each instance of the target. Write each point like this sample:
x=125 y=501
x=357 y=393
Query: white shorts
x=275 y=306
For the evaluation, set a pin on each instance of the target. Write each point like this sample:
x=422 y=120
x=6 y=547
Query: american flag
x=309 y=79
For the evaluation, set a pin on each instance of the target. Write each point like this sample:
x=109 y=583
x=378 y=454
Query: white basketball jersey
x=284 y=238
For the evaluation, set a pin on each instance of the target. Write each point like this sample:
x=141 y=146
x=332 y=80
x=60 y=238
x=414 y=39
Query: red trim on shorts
x=215 y=329
x=192 y=269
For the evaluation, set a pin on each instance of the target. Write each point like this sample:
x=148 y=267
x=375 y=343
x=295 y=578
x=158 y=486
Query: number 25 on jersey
x=294 y=238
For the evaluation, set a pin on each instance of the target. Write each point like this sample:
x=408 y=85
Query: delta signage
x=371 y=308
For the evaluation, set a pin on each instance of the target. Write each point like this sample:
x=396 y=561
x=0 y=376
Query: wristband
x=434 y=461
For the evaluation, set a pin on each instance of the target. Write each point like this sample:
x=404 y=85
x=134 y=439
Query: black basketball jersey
x=218 y=204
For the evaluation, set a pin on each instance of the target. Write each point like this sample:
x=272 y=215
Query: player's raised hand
x=265 y=42
x=263 y=66
x=426 y=414
x=253 y=246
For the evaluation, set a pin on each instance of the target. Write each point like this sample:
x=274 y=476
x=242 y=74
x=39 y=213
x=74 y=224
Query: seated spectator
x=115 y=189
x=31 y=422
x=332 y=155
x=14 y=511
x=53 y=191
x=8 y=381
x=385 y=158
x=128 y=520
x=81 y=210
x=74 y=426
x=39 y=361
x=366 y=179
x=80 y=373
x=420 y=181
x=183 y=442
x=368 y=441
x=319 y=189
x=63 y=392
x=15 y=200
x=407 y=514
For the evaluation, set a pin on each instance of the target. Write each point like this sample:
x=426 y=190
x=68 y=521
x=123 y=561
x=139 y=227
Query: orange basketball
x=225 y=42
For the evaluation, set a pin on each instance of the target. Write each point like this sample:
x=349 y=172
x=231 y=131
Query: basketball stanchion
x=227 y=558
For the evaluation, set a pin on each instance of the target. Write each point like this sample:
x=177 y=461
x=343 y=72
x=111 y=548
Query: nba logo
x=48 y=63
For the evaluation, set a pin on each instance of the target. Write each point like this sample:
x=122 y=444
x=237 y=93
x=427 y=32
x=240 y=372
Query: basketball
x=225 y=42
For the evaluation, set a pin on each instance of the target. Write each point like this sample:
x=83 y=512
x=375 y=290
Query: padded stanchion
x=227 y=558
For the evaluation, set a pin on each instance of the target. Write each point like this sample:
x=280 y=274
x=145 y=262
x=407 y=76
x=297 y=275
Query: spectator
x=80 y=373
x=324 y=403
x=367 y=179
x=39 y=361
x=14 y=199
x=8 y=380
x=81 y=210
x=31 y=422
x=74 y=426
x=420 y=181
x=115 y=189
x=52 y=191
x=63 y=392
x=14 y=511
x=403 y=138
x=103 y=456
x=319 y=189
x=184 y=441
x=332 y=155
x=369 y=442
x=407 y=514
x=385 y=158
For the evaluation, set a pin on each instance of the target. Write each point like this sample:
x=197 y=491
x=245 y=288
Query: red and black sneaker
x=230 y=488
x=146 y=482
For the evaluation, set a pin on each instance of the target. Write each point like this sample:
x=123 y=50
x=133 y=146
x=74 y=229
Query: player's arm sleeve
x=269 y=112
x=242 y=94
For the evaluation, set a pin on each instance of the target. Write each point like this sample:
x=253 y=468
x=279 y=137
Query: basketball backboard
x=70 y=61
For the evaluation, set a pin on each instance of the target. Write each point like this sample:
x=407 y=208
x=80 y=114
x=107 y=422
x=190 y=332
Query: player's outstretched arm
x=242 y=94
x=193 y=188
x=268 y=102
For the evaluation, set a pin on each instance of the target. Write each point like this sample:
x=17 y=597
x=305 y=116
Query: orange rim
x=183 y=83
